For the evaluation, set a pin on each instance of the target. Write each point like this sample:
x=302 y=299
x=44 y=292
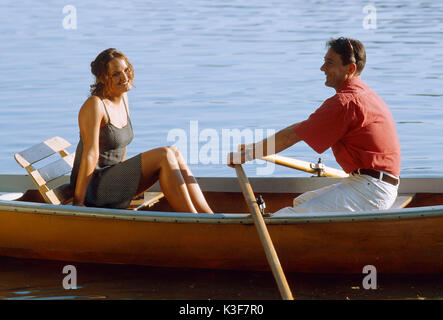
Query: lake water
x=217 y=65
x=22 y=279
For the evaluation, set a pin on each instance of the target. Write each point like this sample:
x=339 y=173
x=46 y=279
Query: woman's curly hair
x=99 y=68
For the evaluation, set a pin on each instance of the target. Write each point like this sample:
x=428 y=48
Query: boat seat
x=149 y=199
x=58 y=193
x=402 y=201
x=10 y=196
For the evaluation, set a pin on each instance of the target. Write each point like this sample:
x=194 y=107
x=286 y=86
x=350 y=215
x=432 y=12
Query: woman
x=101 y=177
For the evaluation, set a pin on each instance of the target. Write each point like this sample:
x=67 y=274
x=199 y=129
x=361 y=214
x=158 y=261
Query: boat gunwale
x=21 y=182
x=218 y=218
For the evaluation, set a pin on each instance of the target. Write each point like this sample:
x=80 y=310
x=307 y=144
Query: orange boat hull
x=392 y=246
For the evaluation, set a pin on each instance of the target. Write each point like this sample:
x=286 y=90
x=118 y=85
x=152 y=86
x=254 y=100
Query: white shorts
x=355 y=193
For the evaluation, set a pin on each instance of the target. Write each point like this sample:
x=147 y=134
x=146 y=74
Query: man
x=359 y=128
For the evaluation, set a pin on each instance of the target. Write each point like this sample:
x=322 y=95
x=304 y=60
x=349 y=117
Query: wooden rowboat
x=408 y=240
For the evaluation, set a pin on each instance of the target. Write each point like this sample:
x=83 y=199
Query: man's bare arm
x=271 y=145
x=276 y=143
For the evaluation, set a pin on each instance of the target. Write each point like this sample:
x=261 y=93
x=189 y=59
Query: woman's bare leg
x=161 y=164
x=197 y=197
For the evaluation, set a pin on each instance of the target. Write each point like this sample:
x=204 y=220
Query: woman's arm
x=89 y=120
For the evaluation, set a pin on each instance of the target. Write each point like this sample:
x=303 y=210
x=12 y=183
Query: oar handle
x=304 y=166
x=271 y=254
x=235 y=158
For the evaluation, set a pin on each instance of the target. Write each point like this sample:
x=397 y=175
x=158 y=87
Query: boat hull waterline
x=395 y=241
x=406 y=240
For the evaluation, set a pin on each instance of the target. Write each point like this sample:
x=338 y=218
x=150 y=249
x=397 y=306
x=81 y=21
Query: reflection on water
x=22 y=279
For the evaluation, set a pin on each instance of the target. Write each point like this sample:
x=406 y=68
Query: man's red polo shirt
x=358 y=126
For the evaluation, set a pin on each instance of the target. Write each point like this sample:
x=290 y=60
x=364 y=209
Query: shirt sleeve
x=325 y=126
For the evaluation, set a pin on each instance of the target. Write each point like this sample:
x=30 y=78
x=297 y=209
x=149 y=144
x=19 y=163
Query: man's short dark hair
x=350 y=51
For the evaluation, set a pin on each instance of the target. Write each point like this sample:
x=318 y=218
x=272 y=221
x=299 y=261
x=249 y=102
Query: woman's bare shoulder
x=92 y=101
x=92 y=105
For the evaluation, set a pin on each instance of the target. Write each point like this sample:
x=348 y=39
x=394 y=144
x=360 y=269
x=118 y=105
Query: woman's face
x=118 y=77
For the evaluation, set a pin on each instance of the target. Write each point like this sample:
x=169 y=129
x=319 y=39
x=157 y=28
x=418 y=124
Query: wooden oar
x=306 y=166
x=263 y=233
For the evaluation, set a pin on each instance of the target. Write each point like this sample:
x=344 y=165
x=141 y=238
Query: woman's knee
x=169 y=155
x=177 y=154
x=158 y=157
x=175 y=151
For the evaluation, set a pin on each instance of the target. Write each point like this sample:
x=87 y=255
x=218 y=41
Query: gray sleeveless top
x=112 y=145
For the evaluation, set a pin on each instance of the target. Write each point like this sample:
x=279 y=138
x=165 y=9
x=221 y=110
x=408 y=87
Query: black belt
x=378 y=175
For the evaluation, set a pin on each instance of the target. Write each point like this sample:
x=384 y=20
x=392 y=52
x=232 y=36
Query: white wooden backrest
x=26 y=158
